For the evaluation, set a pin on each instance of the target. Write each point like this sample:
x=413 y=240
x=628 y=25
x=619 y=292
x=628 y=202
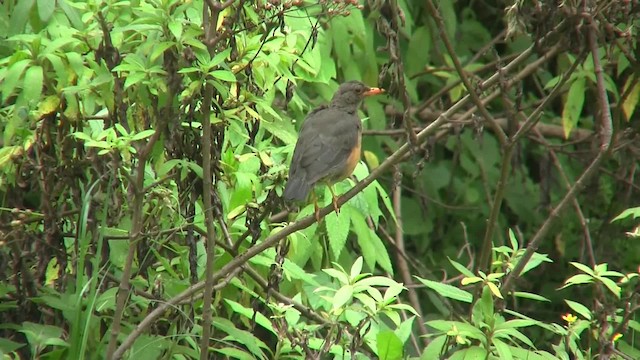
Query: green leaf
x=578 y=279
x=224 y=75
x=389 y=345
x=446 y=290
x=20 y=16
x=584 y=268
x=573 y=105
x=356 y=268
x=434 y=349
x=526 y=295
x=14 y=73
x=143 y=134
x=251 y=314
x=503 y=349
x=338 y=275
x=635 y=212
x=342 y=296
x=418 y=51
x=45 y=9
x=253 y=344
x=611 y=285
x=176 y=28
x=337 y=226
x=579 y=308
x=33 y=79
x=461 y=269
x=71 y=13
x=630 y=103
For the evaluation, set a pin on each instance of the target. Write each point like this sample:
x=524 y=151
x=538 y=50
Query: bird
x=328 y=146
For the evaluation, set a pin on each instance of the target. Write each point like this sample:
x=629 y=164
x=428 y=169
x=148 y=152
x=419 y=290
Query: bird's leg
x=315 y=205
x=335 y=200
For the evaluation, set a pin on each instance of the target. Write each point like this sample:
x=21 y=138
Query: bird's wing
x=326 y=140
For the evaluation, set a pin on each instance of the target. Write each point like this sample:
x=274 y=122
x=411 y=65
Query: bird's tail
x=296 y=189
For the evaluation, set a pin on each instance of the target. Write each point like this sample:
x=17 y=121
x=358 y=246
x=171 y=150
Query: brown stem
x=401 y=262
x=305 y=222
x=606 y=135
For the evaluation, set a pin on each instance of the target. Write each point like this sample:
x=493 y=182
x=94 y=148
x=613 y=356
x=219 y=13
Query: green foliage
x=103 y=222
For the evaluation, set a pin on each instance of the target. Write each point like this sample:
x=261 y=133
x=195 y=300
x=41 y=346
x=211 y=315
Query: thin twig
x=606 y=135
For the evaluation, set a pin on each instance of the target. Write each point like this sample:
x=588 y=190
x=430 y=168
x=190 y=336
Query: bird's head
x=351 y=93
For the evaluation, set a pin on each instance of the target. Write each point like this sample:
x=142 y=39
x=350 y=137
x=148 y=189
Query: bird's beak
x=373 y=91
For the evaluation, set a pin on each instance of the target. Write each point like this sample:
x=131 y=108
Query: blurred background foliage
x=102 y=111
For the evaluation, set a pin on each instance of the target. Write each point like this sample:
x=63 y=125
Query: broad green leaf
x=33 y=79
x=14 y=74
x=342 y=296
x=579 y=308
x=611 y=285
x=251 y=314
x=45 y=9
x=175 y=27
x=253 y=344
x=573 y=105
x=20 y=16
x=447 y=290
x=389 y=345
x=337 y=226
x=503 y=350
x=224 y=75
x=435 y=348
x=338 y=275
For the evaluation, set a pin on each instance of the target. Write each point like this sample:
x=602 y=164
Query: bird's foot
x=335 y=205
x=316 y=211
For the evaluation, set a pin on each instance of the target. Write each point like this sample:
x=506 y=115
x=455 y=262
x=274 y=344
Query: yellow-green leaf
x=573 y=106
x=494 y=290
x=630 y=103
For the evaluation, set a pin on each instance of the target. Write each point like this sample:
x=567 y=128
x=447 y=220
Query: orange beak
x=373 y=91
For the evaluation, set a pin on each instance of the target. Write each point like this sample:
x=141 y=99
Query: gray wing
x=326 y=141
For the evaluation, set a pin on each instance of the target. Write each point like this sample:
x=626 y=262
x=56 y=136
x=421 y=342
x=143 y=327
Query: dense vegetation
x=145 y=146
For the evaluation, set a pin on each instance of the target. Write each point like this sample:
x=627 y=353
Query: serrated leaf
x=337 y=226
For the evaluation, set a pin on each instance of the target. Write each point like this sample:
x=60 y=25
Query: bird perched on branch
x=328 y=147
